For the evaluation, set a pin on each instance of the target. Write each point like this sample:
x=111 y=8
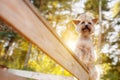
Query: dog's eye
x=83 y=22
x=89 y=22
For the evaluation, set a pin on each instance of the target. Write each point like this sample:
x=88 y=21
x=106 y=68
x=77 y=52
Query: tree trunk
x=100 y=23
x=28 y=55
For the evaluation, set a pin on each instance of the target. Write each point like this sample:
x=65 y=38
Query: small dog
x=84 y=48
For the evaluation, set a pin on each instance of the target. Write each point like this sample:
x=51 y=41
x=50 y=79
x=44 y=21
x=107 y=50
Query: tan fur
x=84 y=48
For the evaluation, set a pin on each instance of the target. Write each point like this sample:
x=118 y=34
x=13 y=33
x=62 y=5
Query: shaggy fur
x=84 y=48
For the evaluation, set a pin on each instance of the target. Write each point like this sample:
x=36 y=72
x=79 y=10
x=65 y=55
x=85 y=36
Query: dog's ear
x=76 y=22
x=95 y=21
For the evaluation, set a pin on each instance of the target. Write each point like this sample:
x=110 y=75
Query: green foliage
x=116 y=9
x=44 y=64
x=93 y=6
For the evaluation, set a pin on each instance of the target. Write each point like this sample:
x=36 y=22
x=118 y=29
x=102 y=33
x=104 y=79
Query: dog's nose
x=86 y=26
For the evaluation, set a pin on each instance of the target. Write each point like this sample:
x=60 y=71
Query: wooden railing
x=24 y=18
x=39 y=76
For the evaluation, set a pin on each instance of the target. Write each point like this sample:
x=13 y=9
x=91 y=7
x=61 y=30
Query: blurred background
x=18 y=53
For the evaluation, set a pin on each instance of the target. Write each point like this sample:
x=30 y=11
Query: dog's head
x=85 y=24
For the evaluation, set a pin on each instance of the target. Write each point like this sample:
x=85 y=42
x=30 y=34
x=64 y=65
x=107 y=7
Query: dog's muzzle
x=86 y=28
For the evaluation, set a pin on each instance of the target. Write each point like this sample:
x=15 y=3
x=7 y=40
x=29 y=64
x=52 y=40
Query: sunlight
x=71 y=44
x=99 y=70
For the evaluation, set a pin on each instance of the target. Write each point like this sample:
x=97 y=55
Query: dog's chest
x=86 y=43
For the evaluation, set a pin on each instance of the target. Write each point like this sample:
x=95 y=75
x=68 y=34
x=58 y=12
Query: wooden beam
x=17 y=14
x=37 y=13
x=4 y=75
x=38 y=76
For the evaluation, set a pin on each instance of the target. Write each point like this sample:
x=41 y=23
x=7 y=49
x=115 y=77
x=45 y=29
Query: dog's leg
x=93 y=72
x=79 y=54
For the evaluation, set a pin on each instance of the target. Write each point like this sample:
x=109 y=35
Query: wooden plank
x=4 y=75
x=17 y=14
x=52 y=31
x=38 y=76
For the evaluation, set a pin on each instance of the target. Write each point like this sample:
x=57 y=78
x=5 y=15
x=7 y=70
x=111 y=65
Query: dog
x=84 y=48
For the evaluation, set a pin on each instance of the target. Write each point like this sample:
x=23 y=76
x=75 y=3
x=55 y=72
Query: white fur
x=84 y=47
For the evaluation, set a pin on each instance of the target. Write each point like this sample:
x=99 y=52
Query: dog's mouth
x=86 y=29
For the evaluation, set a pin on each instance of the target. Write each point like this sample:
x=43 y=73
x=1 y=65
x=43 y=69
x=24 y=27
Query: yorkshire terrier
x=84 y=48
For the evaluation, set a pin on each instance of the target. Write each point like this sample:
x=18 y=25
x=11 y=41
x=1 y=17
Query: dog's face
x=85 y=25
